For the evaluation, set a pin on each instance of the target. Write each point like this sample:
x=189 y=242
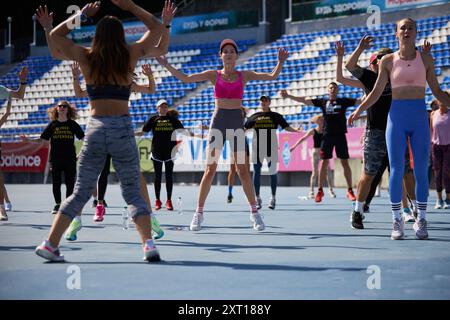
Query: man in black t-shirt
x=265 y=145
x=335 y=128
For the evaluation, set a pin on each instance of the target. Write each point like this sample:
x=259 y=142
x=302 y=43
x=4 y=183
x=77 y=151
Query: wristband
x=168 y=26
x=23 y=83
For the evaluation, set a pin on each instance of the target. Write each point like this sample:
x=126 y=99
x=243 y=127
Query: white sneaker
x=8 y=206
x=258 y=202
x=3 y=215
x=258 y=223
x=407 y=215
x=196 y=223
x=420 y=227
x=332 y=194
x=398 y=228
x=272 y=203
x=46 y=252
x=151 y=254
x=311 y=195
x=446 y=204
x=439 y=204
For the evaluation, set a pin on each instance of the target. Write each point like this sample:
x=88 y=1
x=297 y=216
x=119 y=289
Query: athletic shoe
x=447 y=203
x=311 y=195
x=398 y=227
x=366 y=208
x=357 y=220
x=229 y=198
x=3 y=215
x=8 y=206
x=258 y=202
x=55 y=209
x=196 y=223
x=439 y=204
x=420 y=227
x=45 y=251
x=157 y=231
x=272 y=203
x=99 y=213
x=71 y=233
x=105 y=204
x=415 y=213
x=407 y=215
x=319 y=196
x=94 y=203
x=158 y=204
x=332 y=194
x=258 y=223
x=351 y=195
x=169 y=205
x=151 y=254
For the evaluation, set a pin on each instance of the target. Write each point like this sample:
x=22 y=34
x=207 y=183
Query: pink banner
x=301 y=158
x=23 y=157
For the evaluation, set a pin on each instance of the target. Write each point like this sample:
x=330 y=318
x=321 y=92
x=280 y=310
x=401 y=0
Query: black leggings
x=70 y=171
x=158 y=177
x=103 y=179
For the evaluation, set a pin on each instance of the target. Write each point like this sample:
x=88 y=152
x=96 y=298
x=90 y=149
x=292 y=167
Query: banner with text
x=23 y=157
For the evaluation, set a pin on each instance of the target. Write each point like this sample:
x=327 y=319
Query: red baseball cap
x=373 y=58
x=228 y=41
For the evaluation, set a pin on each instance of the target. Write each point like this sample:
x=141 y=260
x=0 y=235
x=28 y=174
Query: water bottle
x=180 y=205
x=125 y=221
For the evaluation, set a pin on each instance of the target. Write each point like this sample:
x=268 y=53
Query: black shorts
x=331 y=141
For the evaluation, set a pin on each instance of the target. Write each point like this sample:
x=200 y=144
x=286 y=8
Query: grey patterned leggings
x=113 y=135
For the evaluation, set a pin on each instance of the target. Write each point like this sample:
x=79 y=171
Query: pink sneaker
x=99 y=213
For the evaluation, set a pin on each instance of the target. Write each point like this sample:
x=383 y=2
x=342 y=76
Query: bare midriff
x=408 y=93
x=228 y=103
x=109 y=107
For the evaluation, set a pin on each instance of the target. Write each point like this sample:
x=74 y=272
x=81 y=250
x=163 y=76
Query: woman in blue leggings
x=409 y=71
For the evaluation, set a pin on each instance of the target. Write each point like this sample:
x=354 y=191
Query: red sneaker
x=158 y=204
x=351 y=195
x=319 y=196
x=99 y=213
x=169 y=205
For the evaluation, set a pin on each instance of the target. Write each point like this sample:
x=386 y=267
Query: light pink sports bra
x=229 y=90
x=408 y=73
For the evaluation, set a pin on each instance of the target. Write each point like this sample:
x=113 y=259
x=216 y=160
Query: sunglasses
x=375 y=62
x=63 y=106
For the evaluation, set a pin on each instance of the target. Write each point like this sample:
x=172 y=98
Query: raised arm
x=46 y=21
x=352 y=62
x=375 y=94
x=340 y=50
x=306 y=101
x=208 y=75
x=79 y=93
x=433 y=82
x=5 y=116
x=151 y=87
x=58 y=35
x=143 y=46
x=283 y=54
x=307 y=134
x=20 y=92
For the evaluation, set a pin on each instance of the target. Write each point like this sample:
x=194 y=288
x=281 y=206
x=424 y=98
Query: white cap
x=4 y=92
x=160 y=102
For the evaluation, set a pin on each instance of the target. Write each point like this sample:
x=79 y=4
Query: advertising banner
x=23 y=157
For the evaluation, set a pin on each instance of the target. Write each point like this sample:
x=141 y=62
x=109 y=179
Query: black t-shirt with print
x=62 y=137
x=378 y=113
x=162 y=128
x=335 y=121
x=266 y=123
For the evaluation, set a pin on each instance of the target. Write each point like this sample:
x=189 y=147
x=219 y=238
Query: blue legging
x=257 y=178
x=408 y=118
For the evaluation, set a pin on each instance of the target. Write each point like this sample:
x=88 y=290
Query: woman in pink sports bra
x=408 y=71
x=227 y=122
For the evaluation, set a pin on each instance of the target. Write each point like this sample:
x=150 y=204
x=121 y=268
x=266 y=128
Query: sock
x=359 y=206
x=47 y=244
x=150 y=243
x=77 y=218
x=422 y=210
x=320 y=189
x=253 y=209
x=396 y=207
x=230 y=190
x=199 y=210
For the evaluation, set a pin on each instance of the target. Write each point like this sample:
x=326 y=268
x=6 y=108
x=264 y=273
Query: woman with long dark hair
x=108 y=69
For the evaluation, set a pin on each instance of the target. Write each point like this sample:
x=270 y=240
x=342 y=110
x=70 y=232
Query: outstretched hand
x=284 y=94
x=91 y=8
x=168 y=12
x=340 y=48
x=426 y=47
x=147 y=70
x=162 y=61
x=76 y=72
x=23 y=74
x=366 y=42
x=283 y=54
x=45 y=19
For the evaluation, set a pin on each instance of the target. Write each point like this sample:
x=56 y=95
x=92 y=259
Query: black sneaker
x=229 y=198
x=94 y=203
x=357 y=220
x=366 y=208
x=55 y=209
